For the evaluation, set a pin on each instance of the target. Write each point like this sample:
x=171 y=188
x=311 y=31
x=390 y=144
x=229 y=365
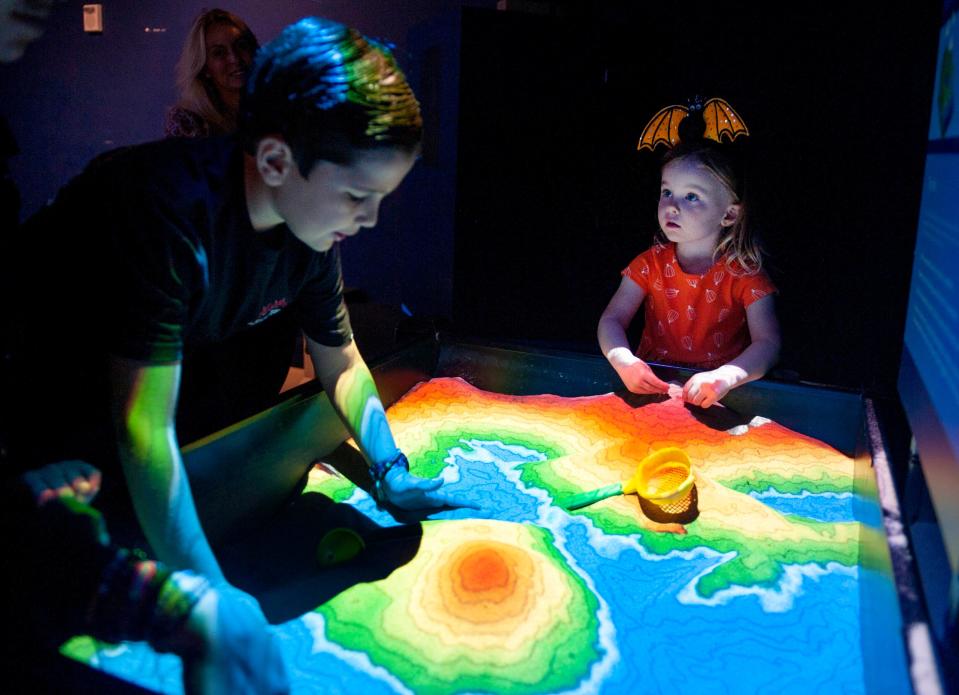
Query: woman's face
x=228 y=57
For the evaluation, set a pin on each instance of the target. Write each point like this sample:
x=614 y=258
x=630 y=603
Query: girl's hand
x=706 y=388
x=637 y=376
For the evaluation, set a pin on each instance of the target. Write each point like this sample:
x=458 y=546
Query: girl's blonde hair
x=738 y=245
x=196 y=92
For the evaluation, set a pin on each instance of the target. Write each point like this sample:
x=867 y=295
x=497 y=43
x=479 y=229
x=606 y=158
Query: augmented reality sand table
x=736 y=593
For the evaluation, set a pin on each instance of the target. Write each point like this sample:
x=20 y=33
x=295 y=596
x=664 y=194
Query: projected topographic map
x=758 y=590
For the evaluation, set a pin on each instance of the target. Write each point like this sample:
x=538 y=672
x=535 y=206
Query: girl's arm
x=636 y=374
x=706 y=388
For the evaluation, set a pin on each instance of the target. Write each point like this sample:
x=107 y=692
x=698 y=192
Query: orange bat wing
x=722 y=120
x=663 y=128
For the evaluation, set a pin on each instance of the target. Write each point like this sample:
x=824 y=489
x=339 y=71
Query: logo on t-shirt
x=269 y=310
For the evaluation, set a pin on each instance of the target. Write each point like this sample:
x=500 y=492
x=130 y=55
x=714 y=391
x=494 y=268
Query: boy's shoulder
x=173 y=160
x=183 y=186
x=175 y=177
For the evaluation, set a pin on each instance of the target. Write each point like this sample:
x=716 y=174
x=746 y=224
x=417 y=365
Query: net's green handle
x=584 y=499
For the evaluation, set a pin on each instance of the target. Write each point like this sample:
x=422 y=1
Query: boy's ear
x=732 y=214
x=274 y=160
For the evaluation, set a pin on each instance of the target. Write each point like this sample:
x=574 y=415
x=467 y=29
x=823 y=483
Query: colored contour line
x=597 y=440
x=484 y=606
x=337 y=487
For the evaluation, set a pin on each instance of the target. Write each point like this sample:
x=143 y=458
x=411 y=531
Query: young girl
x=708 y=303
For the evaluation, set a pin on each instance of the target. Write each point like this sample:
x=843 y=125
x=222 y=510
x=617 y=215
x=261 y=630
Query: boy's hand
x=236 y=652
x=408 y=491
x=637 y=376
x=706 y=388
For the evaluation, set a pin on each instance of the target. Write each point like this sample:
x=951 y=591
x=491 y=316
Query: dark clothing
x=9 y=195
x=183 y=123
x=165 y=239
x=149 y=254
x=9 y=219
x=222 y=383
x=41 y=548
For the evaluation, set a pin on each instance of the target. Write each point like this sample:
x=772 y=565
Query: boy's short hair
x=328 y=91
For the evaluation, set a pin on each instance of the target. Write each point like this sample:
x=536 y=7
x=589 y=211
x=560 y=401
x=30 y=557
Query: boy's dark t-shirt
x=149 y=254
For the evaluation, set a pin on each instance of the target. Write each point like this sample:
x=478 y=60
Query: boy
x=161 y=250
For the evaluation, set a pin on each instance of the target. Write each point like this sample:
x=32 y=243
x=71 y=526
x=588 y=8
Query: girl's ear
x=274 y=160
x=732 y=214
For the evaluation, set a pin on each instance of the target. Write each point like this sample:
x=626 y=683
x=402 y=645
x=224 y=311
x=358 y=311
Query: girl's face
x=694 y=205
x=228 y=57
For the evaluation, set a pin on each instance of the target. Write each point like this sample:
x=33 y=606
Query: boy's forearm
x=144 y=408
x=163 y=502
x=348 y=381
x=359 y=404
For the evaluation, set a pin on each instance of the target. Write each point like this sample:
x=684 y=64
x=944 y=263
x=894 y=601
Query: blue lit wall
x=932 y=321
x=929 y=376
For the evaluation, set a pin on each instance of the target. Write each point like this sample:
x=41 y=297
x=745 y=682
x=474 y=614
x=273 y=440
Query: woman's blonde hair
x=196 y=92
x=738 y=245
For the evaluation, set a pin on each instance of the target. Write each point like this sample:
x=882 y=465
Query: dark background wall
x=554 y=200
x=530 y=197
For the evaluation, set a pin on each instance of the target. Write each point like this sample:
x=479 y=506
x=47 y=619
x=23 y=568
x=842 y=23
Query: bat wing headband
x=718 y=117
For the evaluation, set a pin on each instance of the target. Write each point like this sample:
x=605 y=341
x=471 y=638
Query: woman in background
x=210 y=75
